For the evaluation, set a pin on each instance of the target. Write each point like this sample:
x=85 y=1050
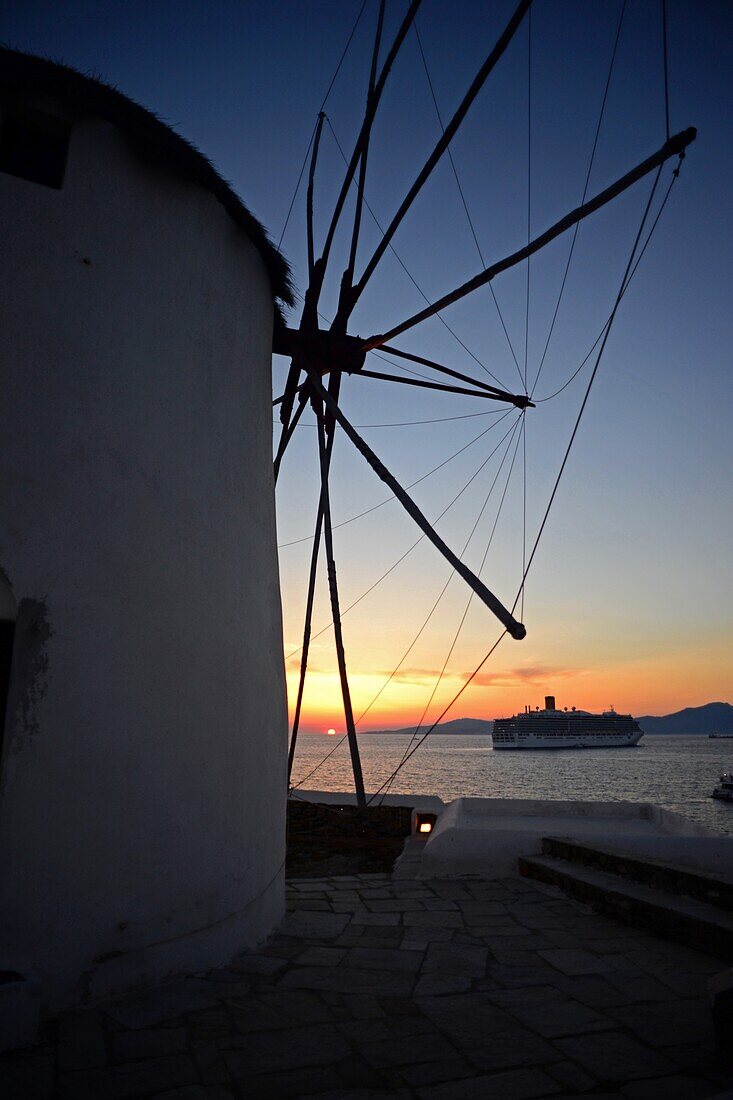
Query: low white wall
x=143 y=777
x=486 y=836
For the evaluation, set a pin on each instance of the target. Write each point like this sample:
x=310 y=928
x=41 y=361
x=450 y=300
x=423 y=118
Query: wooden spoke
x=453 y=374
x=361 y=141
x=676 y=145
x=309 y=198
x=515 y=628
x=342 y=313
x=445 y=140
x=315 y=549
x=515 y=399
x=287 y=432
x=335 y=609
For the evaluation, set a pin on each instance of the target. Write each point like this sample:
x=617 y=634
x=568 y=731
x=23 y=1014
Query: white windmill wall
x=143 y=776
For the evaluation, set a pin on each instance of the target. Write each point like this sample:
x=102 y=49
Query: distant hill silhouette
x=712 y=718
x=457 y=726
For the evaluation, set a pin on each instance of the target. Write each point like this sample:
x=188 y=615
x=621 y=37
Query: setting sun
x=331 y=732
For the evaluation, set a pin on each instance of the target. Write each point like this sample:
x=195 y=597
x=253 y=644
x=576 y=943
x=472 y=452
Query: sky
x=628 y=601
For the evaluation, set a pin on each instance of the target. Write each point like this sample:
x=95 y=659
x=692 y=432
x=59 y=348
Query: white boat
x=565 y=729
x=725 y=790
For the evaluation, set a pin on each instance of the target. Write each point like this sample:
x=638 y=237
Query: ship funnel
x=549 y=702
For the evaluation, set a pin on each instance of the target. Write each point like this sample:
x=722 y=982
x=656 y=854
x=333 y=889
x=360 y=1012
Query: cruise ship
x=565 y=729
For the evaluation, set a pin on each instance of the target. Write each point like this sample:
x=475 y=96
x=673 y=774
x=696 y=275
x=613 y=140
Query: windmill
x=320 y=356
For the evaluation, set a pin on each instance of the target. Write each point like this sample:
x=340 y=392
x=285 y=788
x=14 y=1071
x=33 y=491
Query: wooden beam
x=675 y=146
x=515 y=628
x=335 y=608
x=334 y=385
x=309 y=197
x=287 y=431
x=342 y=312
x=362 y=139
x=315 y=549
x=515 y=399
x=445 y=140
x=520 y=401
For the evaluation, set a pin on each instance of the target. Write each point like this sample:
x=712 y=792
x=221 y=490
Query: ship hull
x=540 y=743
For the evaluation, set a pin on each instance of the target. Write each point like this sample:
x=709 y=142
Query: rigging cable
x=624 y=284
x=529 y=190
x=414 y=282
x=460 y=625
x=374 y=507
x=582 y=200
x=576 y=372
x=323 y=104
x=450 y=577
x=592 y=378
x=524 y=507
x=442 y=715
x=411 y=548
x=313 y=771
x=665 y=54
x=405 y=423
x=463 y=197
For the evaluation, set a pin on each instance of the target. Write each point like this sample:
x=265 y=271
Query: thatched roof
x=23 y=74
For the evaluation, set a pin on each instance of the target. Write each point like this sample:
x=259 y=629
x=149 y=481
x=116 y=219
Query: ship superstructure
x=565 y=729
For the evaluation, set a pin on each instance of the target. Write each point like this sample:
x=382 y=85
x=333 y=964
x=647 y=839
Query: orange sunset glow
x=655 y=684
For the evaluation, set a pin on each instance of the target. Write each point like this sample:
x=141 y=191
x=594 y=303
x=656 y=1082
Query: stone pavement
x=376 y=987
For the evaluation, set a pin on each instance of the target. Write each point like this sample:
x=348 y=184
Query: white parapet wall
x=486 y=836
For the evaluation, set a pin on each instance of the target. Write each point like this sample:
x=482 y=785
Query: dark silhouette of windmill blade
x=342 y=312
x=516 y=629
x=286 y=433
x=447 y=136
x=335 y=608
x=327 y=352
x=309 y=194
x=361 y=142
x=515 y=399
x=310 y=315
x=315 y=550
x=520 y=400
x=675 y=145
x=334 y=384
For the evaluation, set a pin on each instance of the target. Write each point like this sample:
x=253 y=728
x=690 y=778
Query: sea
x=676 y=772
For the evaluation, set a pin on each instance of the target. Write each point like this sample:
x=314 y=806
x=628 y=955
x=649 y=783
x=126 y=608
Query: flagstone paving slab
x=133 y=1046
x=516 y=1085
x=575 y=962
x=132 y=1079
x=378 y=986
x=670 y=1088
x=613 y=1056
x=81 y=1040
x=169 y=1001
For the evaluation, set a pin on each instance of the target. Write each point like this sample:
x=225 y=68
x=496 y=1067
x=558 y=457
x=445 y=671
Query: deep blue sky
x=630 y=598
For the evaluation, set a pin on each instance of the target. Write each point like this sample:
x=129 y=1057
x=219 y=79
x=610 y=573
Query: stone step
x=645 y=869
x=691 y=922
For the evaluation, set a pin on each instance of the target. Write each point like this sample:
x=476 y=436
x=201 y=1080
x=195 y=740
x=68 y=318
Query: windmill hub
x=320 y=349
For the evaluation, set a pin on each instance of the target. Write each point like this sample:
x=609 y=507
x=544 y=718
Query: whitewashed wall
x=143 y=777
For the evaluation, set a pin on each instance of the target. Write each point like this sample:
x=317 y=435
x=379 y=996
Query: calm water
x=678 y=773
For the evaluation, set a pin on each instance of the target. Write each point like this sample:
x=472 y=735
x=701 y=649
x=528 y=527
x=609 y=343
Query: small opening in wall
x=33 y=146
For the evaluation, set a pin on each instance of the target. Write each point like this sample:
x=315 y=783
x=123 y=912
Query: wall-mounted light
x=423 y=823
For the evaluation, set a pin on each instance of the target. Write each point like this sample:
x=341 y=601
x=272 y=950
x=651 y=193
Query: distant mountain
x=712 y=718
x=457 y=726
